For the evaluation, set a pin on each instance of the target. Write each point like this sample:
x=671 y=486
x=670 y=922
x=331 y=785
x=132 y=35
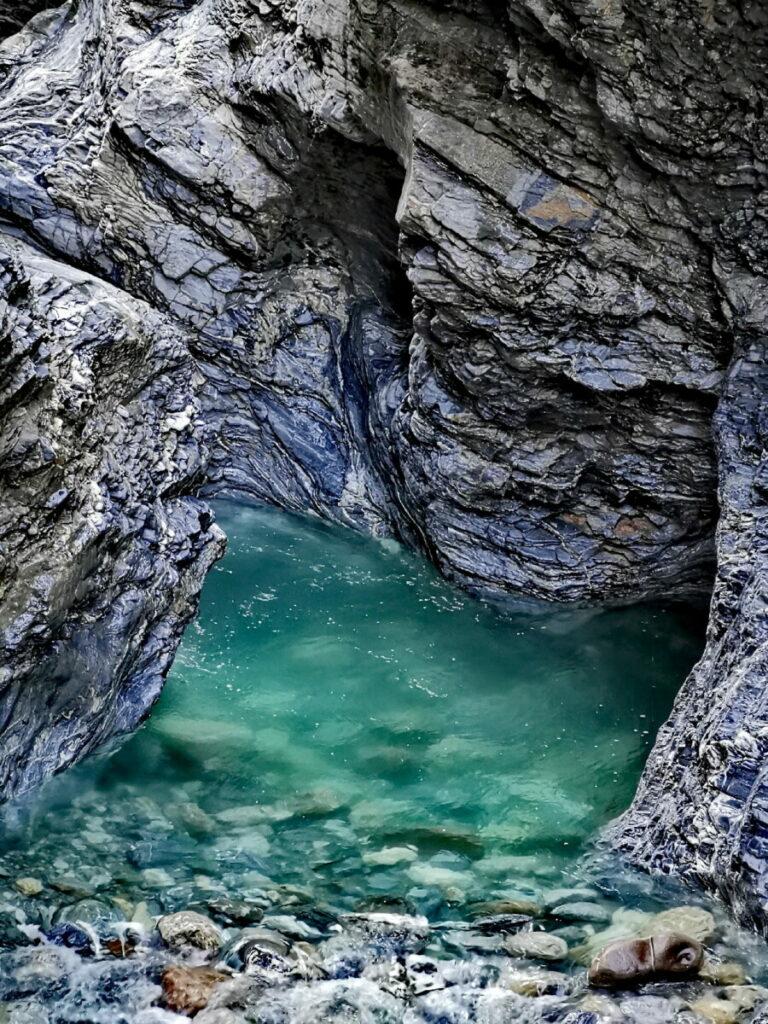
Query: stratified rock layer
x=102 y=551
x=463 y=273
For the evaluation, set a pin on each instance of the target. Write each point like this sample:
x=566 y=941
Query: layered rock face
x=103 y=550
x=468 y=274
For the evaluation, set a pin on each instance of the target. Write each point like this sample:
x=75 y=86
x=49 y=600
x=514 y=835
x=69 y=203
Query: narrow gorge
x=485 y=280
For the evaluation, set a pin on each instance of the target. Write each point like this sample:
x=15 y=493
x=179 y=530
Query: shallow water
x=343 y=731
x=342 y=720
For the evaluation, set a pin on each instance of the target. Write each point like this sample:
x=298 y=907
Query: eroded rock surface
x=468 y=274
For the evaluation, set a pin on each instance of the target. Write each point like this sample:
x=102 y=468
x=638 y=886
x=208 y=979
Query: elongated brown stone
x=631 y=961
x=188 y=989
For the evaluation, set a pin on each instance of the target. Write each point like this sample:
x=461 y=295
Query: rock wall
x=469 y=274
x=102 y=550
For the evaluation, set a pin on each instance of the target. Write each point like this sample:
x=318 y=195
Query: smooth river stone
x=187 y=990
x=29 y=886
x=429 y=874
x=188 y=928
x=718 y=1011
x=537 y=946
x=631 y=961
x=590 y=912
x=391 y=855
x=506 y=906
x=557 y=897
x=695 y=922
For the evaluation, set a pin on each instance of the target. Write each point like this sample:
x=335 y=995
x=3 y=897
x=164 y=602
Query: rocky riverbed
x=275 y=958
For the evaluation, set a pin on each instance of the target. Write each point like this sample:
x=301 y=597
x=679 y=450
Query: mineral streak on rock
x=468 y=274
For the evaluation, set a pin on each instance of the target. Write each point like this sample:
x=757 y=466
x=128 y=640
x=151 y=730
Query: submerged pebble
x=537 y=946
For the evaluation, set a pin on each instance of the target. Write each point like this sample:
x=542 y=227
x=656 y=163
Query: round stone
x=29 y=886
x=537 y=946
x=188 y=928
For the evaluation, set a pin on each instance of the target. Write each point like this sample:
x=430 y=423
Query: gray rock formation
x=465 y=273
x=102 y=550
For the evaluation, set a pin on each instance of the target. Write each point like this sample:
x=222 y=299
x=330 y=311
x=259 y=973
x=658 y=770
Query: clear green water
x=336 y=699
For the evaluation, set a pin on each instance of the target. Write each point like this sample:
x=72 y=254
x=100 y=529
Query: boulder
x=630 y=962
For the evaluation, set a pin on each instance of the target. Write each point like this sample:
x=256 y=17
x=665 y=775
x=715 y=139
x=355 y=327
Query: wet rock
x=267 y=955
x=717 y=1010
x=401 y=933
x=240 y=994
x=431 y=839
x=557 y=897
x=10 y=932
x=194 y=819
x=29 y=886
x=536 y=982
x=649 y=1010
x=464 y=941
x=189 y=989
x=625 y=924
x=537 y=946
x=491 y=908
x=631 y=961
x=263 y=963
x=189 y=929
x=141 y=917
x=122 y=947
x=604 y=1007
x=589 y=912
x=246 y=816
x=505 y=923
x=440 y=877
x=391 y=855
x=694 y=922
x=240 y=913
x=728 y=973
x=71 y=937
x=156 y=878
x=267 y=938
x=747 y=996
x=292 y=927
x=72 y=886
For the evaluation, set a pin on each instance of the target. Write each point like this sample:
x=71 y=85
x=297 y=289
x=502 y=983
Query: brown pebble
x=188 y=989
x=630 y=961
x=121 y=947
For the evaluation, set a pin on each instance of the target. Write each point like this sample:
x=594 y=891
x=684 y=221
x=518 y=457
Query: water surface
x=341 y=720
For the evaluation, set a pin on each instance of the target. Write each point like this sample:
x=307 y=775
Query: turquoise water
x=341 y=720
